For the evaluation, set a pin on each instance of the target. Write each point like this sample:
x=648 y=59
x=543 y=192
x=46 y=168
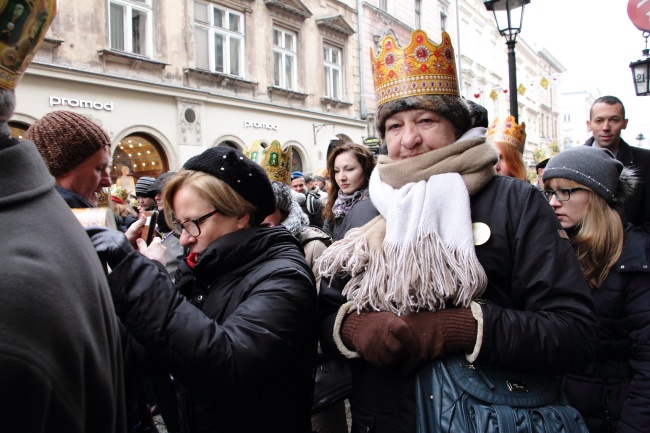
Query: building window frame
x=285 y=58
x=225 y=41
x=126 y=32
x=333 y=71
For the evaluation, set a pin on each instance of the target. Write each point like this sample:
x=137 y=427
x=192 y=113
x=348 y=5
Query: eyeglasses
x=561 y=194
x=192 y=227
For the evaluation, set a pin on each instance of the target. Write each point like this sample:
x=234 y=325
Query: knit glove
x=443 y=332
x=379 y=337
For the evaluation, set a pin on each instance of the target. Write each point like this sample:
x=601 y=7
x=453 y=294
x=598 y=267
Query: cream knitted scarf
x=419 y=252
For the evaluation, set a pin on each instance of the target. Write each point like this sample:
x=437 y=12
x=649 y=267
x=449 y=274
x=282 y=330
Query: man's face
x=606 y=124
x=146 y=203
x=320 y=184
x=88 y=178
x=298 y=184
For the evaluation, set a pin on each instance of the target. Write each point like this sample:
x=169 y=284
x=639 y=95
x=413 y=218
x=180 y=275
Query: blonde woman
x=586 y=186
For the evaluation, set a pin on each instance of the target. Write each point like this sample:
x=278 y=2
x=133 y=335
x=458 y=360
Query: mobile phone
x=149 y=229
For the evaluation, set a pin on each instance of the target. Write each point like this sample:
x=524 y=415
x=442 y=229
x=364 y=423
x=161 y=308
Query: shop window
x=219 y=39
x=296 y=162
x=18 y=129
x=131 y=26
x=141 y=154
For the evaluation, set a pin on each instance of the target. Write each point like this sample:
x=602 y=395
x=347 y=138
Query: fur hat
x=143 y=187
x=451 y=107
x=595 y=168
x=65 y=139
x=245 y=177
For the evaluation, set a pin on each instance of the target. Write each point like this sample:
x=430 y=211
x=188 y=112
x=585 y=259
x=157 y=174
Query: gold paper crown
x=102 y=198
x=542 y=154
x=422 y=68
x=507 y=132
x=275 y=162
x=23 y=24
x=119 y=192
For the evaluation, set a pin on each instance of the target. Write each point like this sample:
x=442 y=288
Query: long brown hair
x=361 y=154
x=598 y=242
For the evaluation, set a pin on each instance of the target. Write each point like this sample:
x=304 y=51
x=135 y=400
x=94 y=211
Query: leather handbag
x=333 y=381
x=454 y=395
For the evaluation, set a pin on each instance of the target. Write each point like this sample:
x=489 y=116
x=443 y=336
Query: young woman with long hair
x=586 y=188
x=350 y=166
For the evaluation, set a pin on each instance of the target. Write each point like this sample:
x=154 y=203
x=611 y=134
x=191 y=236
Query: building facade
x=171 y=79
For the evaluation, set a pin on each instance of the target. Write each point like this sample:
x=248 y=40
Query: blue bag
x=455 y=396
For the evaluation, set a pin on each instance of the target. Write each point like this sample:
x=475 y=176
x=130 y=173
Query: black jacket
x=613 y=392
x=637 y=207
x=538 y=314
x=243 y=346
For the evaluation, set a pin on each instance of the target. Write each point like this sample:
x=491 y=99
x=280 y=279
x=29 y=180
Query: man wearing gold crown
x=60 y=352
x=452 y=260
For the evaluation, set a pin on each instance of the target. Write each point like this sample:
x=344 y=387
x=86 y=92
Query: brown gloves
x=387 y=340
x=379 y=337
x=443 y=332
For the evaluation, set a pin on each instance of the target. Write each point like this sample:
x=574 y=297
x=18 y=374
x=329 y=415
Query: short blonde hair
x=210 y=188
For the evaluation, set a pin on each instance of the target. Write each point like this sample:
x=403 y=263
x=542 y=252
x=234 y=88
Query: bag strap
x=506 y=419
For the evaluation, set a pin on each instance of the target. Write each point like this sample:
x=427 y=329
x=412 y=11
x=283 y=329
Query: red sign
x=639 y=13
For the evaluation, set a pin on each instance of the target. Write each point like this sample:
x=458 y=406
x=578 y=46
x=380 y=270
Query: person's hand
x=443 y=332
x=111 y=245
x=133 y=233
x=381 y=338
x=155 y=250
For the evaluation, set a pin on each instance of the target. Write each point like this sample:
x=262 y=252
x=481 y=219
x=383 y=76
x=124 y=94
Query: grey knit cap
x=143 y=187
x=593 y=167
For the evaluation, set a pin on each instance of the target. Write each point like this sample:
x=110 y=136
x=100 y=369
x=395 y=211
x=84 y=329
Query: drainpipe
x=362 y=78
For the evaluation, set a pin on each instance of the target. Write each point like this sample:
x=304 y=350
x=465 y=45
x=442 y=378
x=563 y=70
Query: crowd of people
x=256 y=294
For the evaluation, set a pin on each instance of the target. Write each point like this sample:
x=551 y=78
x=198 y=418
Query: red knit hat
x=65 y=139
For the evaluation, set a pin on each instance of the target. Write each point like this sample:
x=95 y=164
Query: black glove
x=111 y=245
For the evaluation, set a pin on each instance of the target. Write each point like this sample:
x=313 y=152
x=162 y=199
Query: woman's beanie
x=246 y=177
x=593 y=167
x=65 y=139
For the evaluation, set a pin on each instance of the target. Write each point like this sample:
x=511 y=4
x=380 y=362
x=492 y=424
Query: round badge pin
x=481 y=233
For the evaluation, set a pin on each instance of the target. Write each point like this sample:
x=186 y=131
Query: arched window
x=142 y=154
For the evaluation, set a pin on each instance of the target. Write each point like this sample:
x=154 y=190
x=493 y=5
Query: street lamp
x=640 y=70
x=640 y=137
x=509 y=15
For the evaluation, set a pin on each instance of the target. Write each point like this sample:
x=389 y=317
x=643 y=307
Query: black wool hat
x=160 y=182
x=246 y=177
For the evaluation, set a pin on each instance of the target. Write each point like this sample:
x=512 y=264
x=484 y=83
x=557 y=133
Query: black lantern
x=509 y=15
x=640 y=70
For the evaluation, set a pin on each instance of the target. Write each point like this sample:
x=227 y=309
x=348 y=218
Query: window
x=332 y=59
x=284 y=59
x=383 y=5
x=219 y=39
x=131 y=26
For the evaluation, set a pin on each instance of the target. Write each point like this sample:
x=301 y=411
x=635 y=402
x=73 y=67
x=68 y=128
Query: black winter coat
x=537 y=312
x=613 y=393
x=244 y=345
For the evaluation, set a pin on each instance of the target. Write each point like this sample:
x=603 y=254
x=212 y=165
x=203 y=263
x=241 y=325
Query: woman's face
x=348 y=173
x=502 y=165
x=573 y=211
x=189 y=205
x=413 y=132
